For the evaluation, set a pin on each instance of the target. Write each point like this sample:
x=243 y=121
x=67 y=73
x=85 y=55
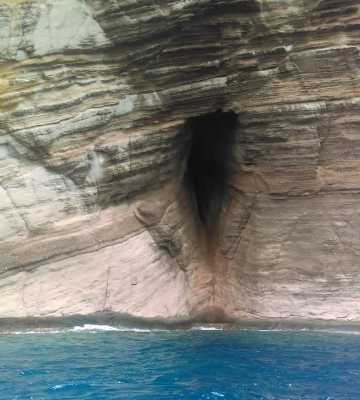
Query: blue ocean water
x=104 y=365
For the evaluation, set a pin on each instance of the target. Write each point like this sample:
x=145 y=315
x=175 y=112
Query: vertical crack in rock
x=208 y=167
x=107 y=290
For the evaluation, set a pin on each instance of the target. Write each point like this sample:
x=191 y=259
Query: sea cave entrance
x=208 y=164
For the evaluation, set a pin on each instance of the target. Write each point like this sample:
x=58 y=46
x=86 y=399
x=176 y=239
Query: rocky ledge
x=176 y=157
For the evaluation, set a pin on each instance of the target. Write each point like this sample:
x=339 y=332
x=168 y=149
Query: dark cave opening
x=209 y=163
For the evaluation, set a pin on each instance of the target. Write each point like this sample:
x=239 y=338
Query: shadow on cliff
x=207 y=170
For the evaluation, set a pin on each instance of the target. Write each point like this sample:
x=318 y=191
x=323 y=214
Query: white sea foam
x=207 y=328
x=109 y=328
x=67 y=385
x=57 y=387
x=37 y=332
x=62 y=386
x=93 y=327
x=84 y=328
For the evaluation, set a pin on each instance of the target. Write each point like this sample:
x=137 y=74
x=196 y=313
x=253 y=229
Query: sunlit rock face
x=168 y=158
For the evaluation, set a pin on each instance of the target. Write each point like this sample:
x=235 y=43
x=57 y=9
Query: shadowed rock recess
x=208 y=166
x=179 y=158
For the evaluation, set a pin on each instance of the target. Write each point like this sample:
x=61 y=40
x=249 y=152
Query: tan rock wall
x=94 y=215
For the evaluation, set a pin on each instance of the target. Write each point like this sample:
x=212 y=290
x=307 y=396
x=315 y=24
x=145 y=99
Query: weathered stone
x=95 y=214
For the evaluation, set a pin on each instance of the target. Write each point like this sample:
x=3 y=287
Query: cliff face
x=110 y=114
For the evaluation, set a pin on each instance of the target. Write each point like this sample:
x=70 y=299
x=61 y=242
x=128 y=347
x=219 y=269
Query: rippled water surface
x=180 y=365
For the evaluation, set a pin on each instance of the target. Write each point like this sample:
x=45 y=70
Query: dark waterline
x=180 y=365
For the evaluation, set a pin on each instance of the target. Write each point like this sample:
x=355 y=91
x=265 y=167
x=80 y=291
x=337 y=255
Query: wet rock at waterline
x=165 y=159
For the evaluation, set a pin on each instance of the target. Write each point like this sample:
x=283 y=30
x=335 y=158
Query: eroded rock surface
x=95 y=102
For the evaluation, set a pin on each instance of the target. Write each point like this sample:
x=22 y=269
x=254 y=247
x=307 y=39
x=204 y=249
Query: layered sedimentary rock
x=97 y=107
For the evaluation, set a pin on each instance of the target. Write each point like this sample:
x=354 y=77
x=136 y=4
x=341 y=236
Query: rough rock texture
x=94 y=214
